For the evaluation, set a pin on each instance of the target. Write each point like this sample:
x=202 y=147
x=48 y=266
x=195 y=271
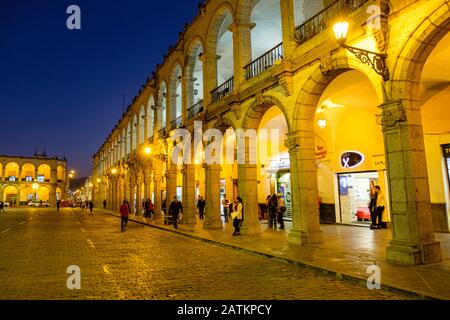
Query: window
x=40 y=179
x=29 y=178
x=12 y=178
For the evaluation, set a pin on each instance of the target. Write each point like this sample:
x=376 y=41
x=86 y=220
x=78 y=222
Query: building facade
x=333 y=118
x=25 y=179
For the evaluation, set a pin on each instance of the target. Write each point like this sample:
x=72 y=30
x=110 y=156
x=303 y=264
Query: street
x=38 y=245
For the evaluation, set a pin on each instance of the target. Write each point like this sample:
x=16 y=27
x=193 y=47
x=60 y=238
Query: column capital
x=392 y=114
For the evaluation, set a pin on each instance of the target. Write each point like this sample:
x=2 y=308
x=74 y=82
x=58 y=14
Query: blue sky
x=62 y=89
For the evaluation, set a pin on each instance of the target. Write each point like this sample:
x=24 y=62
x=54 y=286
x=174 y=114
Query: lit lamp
x=322 y=123
x=375 y=60
x=147 y=150
x=99 y=180
x=114 y=171
x=35 y=187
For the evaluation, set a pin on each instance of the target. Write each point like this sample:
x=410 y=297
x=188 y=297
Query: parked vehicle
x=37 y=204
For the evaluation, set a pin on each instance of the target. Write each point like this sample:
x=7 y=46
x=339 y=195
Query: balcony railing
x=176 y=123
x=223 y=90
x=195 y=109
x=322 y=20
x=264 y=62
x=162 y=132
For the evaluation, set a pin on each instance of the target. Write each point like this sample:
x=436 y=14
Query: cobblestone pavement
x=37 y=246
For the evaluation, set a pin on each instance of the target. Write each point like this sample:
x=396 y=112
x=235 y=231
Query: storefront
x=284 y=187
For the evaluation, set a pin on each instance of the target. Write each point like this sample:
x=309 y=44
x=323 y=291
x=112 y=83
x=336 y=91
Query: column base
x=303 y=238
x=410 y=254
x=251 y=228
x=212 y=225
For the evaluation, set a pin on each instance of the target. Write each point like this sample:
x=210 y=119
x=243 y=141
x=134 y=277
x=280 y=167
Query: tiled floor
x=348 y=250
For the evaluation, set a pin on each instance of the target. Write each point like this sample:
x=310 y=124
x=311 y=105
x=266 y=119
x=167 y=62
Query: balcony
x=223 y=90
x=176 y=123
x=195 y=109
x=162 y=132
x=325 y=18
x=264 y=62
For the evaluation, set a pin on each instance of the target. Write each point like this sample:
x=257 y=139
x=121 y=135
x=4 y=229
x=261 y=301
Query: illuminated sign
x=351 y=159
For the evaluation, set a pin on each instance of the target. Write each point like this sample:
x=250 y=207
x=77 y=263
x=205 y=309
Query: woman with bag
x=237 y=216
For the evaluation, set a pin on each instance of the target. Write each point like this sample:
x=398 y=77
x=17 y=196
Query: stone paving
x=38 y=245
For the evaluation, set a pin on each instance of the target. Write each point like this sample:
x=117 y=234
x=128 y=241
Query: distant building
x=23 y=179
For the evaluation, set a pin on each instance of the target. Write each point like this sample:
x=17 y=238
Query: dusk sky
x=62 y=89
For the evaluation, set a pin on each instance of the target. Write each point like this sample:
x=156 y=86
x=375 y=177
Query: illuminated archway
x=44 y=172
x=43 y=193
x=12 y=171
x=60 y=173
x=28 y=172
x=10 y=194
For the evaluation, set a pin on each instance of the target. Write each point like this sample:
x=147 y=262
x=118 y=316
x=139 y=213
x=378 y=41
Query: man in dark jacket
x=174 y=210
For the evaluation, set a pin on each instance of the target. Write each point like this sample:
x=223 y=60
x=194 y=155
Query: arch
x=215 y=27
x=162 y=104
x=28 y=171
x=10 y=192
x=43 y=193
x=26 y=193
x=256 y=111
x=150 y=115
x=12 y=171
x=176 y=92
x=415 y=52
x=318 y=81
x=194 y=72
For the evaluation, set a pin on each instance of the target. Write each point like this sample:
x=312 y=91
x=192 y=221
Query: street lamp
x=114 y=171
x=375 y=60
x=35 y=187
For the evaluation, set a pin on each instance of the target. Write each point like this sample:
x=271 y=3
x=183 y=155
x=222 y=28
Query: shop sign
x=351 y=159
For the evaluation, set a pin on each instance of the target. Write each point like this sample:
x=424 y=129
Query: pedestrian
x=104 y=204
x=201 y=203
x=226 y=207
x=82 y=205
x=2 y=206
x=281 y=210
x=91 y=206
x=273 y=209
x=373 y=208
x=151 y=208
x=238 y=216
x=174 y=210
x=58 y=205
x=124 y=213
x=380 y=206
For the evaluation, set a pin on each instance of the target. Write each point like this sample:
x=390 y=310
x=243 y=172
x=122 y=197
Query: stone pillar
x=4 y=172
x=139 y=182
x=171 y=182
x=305 y=208
x=248 y=191
x=212 y=197
x=242 y=50
x=131 y=191
x=53 y=175
x=210 y=75
x=287 y=26
x=189 y=194
x=413 y=239
x=52 y=196
x=147 y=182
x=145 y=124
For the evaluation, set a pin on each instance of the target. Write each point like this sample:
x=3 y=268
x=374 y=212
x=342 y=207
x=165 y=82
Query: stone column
x=139 y=182
x=212 y=197
x=287 y=25
x=52 y=196
x=189 y=194
x=131 y=190
x=305 y=208
x=248 y=191
x=413 y=239
x=209 y=61
x=171 y=182
x=147 y=182
x=242 y=50
x=145 y=124
x=3 y=173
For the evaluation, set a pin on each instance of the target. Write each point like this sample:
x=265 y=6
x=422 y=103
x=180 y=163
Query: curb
x=309 y=266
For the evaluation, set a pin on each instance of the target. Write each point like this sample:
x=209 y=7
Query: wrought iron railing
x=195 y=109
x=162 y=132
x=264 y=62
x=176 y=123
x=322 y=20
x=223 y=90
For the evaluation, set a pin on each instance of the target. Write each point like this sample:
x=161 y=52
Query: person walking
x=226 y=207
x=281 y=210
x=58 y=205
x=238 y=216
x=273 y=209
x=151 y=208
x=174 y=210
x=104 y=204
x=380 y=206
x=91 y=206
x=124 y=213
x=2 y=206
x=201 y=203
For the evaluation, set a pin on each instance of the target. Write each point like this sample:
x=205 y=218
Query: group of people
x=85 y=204
x=276 y=208
x=377 y=205
x=149 y=208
